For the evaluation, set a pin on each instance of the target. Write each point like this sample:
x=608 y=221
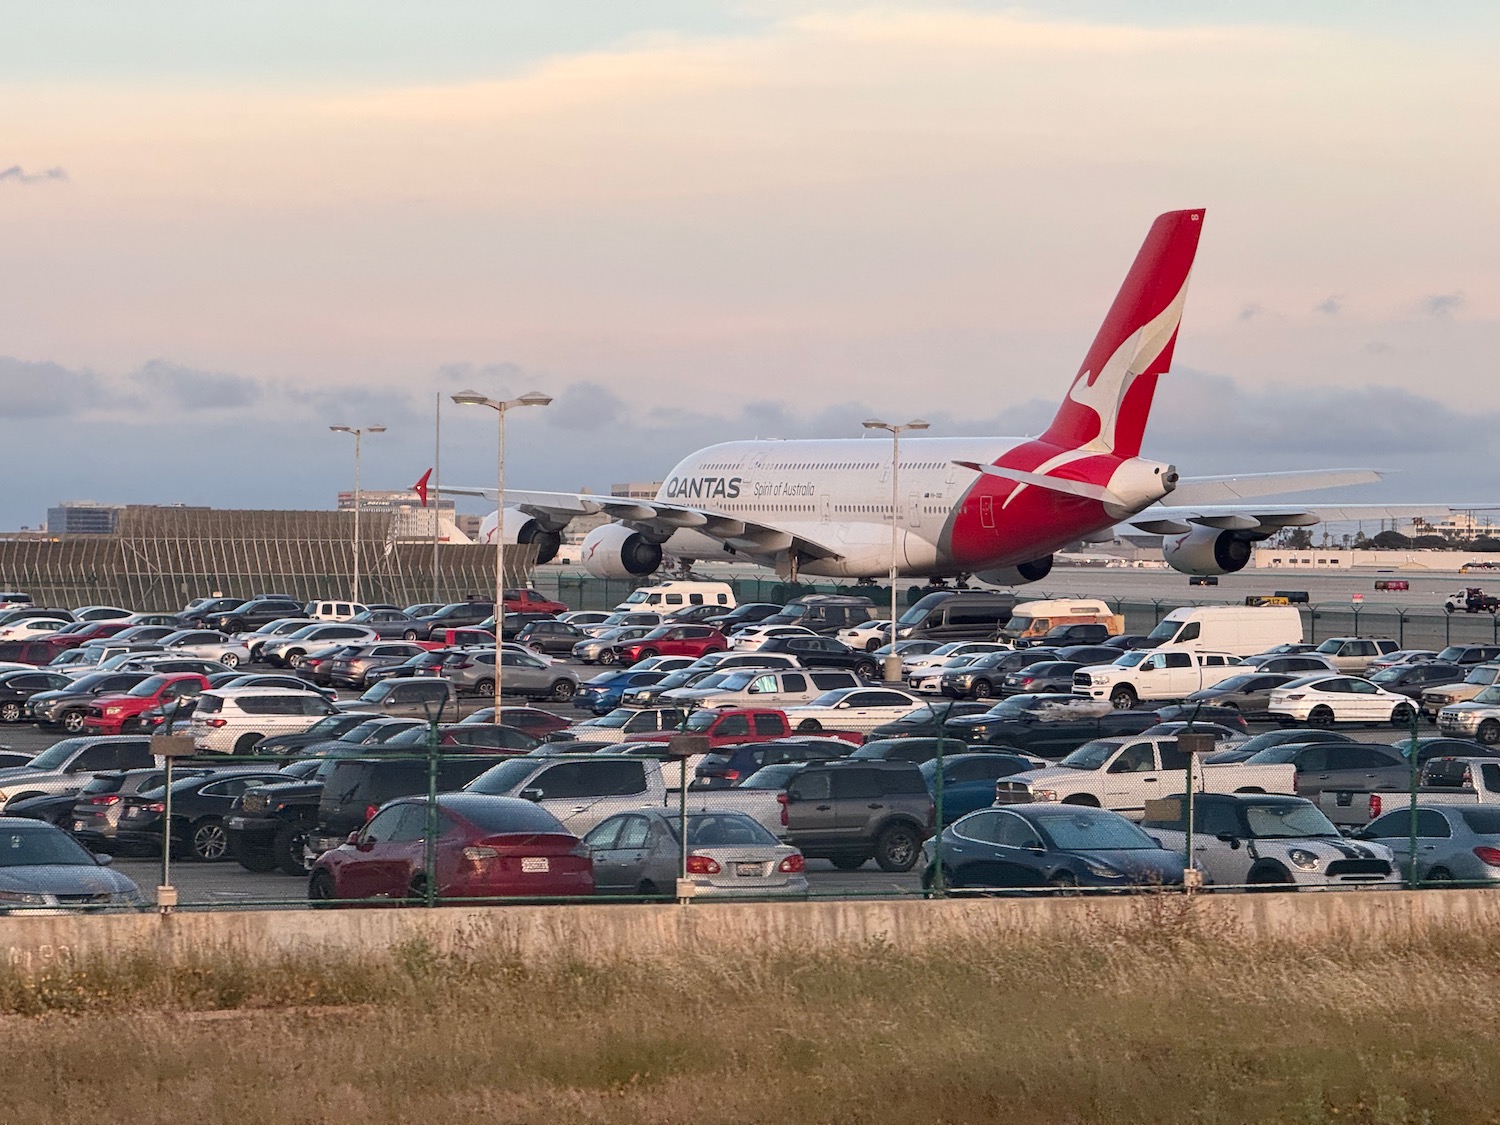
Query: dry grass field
x=1156 y=1023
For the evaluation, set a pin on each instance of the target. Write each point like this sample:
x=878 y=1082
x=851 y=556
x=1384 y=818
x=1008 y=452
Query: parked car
x=533 y=720
x=969 y=780
x=1434 y=699
x=92 y=814
x=1290 y=664
x=250 y=615
x=65 y=766
x=16 y=688
x=729 y=765
x=1062 y=847
x=1248 y=693
x=41 y=866
x=1044 y=677
x=1324 y=700
x=490 y=847
x=867 y=635
x=847 y=811
x=1334 y=765
x=329 y=727
x=285 y=652
x=1263 y=839
x=1402 y=656
x=116 y=714
x=603 y=648
x=823 y=652
x=672 y=640
x=234 y=720
x=206 y=644
x=601 y=695
x=522 y=673
x=1355 y=654
x=200 y=804
x=984 y=677
x=851 y=709
x=1048 y=726
x=621 y=723
x=746 y=613
x=66 y=706
x=551 y=636
x=728 y=853
x=1455 y=843
x=1411 y=680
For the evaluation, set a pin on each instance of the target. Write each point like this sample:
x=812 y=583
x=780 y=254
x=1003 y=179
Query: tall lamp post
x=359 y=432
x=893 y=660
x=474 y=398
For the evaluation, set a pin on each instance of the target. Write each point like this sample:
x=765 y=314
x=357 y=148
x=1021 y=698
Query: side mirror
x=103 y=859
x=1036 y=849
x=1362 y=834
x=531 y=793
x=352 y=838
x=1229 y=838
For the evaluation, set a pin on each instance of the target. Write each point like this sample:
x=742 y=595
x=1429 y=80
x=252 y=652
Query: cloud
x=1443 y=304
x=45 y=390
x=184 y=388
x=1330 y=307
x=1251 y=311
x=584 y=406
x=16 y=174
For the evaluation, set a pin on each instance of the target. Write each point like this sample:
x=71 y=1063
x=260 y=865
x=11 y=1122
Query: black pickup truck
x=1048 y=726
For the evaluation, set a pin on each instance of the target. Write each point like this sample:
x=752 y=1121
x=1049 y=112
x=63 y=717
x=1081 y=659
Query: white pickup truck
x=1124 y=773
x=1155 y=675
x=1444 y=781
x=581 y=790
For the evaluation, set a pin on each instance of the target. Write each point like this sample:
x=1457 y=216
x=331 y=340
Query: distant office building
x=83 y=517
x=636 y=490
x=469 y=524
x=388 y=500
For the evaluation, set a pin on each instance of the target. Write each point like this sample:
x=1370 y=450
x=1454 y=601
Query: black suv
x=455 y=616
x=847 y=811
x=1048 y=726
x=249 y=616
x=1080 y=633
x=823 y=652
x=355 y=788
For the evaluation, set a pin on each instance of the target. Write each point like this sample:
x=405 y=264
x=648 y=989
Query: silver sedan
x=1459 y=843
x=729 y=854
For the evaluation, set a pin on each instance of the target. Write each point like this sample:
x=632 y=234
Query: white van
x=1241 y=629
x=669 y=597
x=334 y=610
x=1035 y=619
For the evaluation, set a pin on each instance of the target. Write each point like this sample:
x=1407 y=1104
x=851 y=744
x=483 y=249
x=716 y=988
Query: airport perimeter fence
x=722 y=856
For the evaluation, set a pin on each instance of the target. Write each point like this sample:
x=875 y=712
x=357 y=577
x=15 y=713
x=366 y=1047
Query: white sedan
x=31 y=627
x=1323 y=700
x=748 y=640
x=856 y=709
x=929 y=680
x=923 y=661
x=867 y=635
x=205 y=644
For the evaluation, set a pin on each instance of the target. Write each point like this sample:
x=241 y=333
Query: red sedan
x=673 y=640
x=488 y=847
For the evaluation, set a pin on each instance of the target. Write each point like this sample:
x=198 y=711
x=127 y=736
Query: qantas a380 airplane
x=994 y=508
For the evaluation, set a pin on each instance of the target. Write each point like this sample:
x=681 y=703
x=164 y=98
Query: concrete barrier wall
x=600 y=934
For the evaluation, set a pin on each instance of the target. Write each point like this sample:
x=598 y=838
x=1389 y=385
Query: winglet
x=1110 y=399
x=421 y=486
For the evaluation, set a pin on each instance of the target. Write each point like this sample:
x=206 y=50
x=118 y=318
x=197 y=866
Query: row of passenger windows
x=724 y=466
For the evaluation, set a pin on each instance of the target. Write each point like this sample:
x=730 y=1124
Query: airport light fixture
x=501 y=408
x=359 y=432
x=893 y=660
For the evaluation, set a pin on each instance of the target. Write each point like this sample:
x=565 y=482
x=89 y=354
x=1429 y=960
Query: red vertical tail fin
x=1110 y=399
x=421 y=486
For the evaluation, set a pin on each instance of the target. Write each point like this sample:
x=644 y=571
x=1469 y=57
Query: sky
x=224 y=228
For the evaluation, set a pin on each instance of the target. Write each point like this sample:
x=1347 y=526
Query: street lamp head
x=470 y=398
x=876 y=424
x=915 y=424
x=342 y=429
x=374 y=429
x=534 y=398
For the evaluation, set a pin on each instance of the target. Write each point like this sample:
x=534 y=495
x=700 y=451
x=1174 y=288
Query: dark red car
x=488 y=847
x=533 y=720
x=81 y=633
x=673 y=640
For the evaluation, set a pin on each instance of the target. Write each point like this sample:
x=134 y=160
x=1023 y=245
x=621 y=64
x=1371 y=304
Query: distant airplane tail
x=421 y=486
x=1110 y=400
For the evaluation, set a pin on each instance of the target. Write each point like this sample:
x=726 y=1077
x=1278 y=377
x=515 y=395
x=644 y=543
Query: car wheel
x=485 y=686
x=10 y=712
x=606 y=657
x=291 y=656
x=896 y=848
x=929 y=878
x=563 y=690
x=809 y=724
x=872 y=644
x=245 y=743
x=866 y=669
x=1123 y=699
x=72 y=721
x=981 y=689
x=320 y=888
x=1438 y=875
x=1402 y=715
x=1064 y=883
x=1320 y=716
x=234 y=625
x=1269 y=877
x=409 y=635
x=230 y=660
x=210 y=843
x=650 y=654
x=1489 y=732
x=416 y=893
x=848 y=862
x=648 y=889
x=287 y=847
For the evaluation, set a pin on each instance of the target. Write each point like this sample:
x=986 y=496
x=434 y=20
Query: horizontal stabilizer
x=1054 y=484
x=1191 y=491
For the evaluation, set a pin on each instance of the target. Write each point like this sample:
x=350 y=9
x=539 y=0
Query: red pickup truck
x=735 y=726
x=529 y=601
x=115 y=714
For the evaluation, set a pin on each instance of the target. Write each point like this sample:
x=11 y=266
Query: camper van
x=955 y=615
x=669 y=597
x=1239 y=629
x=1035 y=619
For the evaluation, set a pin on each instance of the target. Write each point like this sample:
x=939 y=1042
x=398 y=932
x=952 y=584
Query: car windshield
x=1481 y=676
x=148 y=687
x=1285 y=820
x=504 y=777
x=615 y=719
x=1386 y=675
x=960 y=661
x=709 y=830
x=1091 y=755
x=716 y=680
x=1027 y=704
x=56 y=756
x=1237 y=683
x=328 y=726
x=1093 y=831
x=1330 y=646
x=1490 y=694
x=702 y=720
x=771 y=777
x=35 y=847
x=1131 y=658
x=676 y=679
x=736 y=681
x=1274 y=755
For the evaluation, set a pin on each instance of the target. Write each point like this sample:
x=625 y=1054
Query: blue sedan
x=969 y=780
x=1065 y=847
x=601 y=695
x=42 y=866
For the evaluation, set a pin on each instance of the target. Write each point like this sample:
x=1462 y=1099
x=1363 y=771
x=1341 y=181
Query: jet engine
x=615 y=551
x=1207 y=550
x=1033 y=571
x=523 y=530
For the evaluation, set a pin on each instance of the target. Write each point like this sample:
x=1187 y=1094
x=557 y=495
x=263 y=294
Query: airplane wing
x=1173 y=519
x=556 y=509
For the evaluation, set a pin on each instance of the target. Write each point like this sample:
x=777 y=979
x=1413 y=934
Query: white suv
x=334 y=610
x=233 y=720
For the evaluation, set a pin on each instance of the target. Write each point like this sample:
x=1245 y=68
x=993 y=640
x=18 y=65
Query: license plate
x=235 y=822
x=78 y=826
x=535 y=864
x=748 y=870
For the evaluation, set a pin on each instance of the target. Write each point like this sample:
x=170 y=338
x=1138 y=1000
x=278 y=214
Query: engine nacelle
x=615 y=551
x=1033 y=571
x=522 y=529
x=1207 y=550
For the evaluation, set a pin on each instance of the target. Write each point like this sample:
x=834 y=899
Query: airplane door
x=987 y=511
x=825 y=508
x=913 y=510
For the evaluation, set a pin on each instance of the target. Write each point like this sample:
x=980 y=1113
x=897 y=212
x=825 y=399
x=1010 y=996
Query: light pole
x=359 y=432
x=474 y=398
x=892 y=660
